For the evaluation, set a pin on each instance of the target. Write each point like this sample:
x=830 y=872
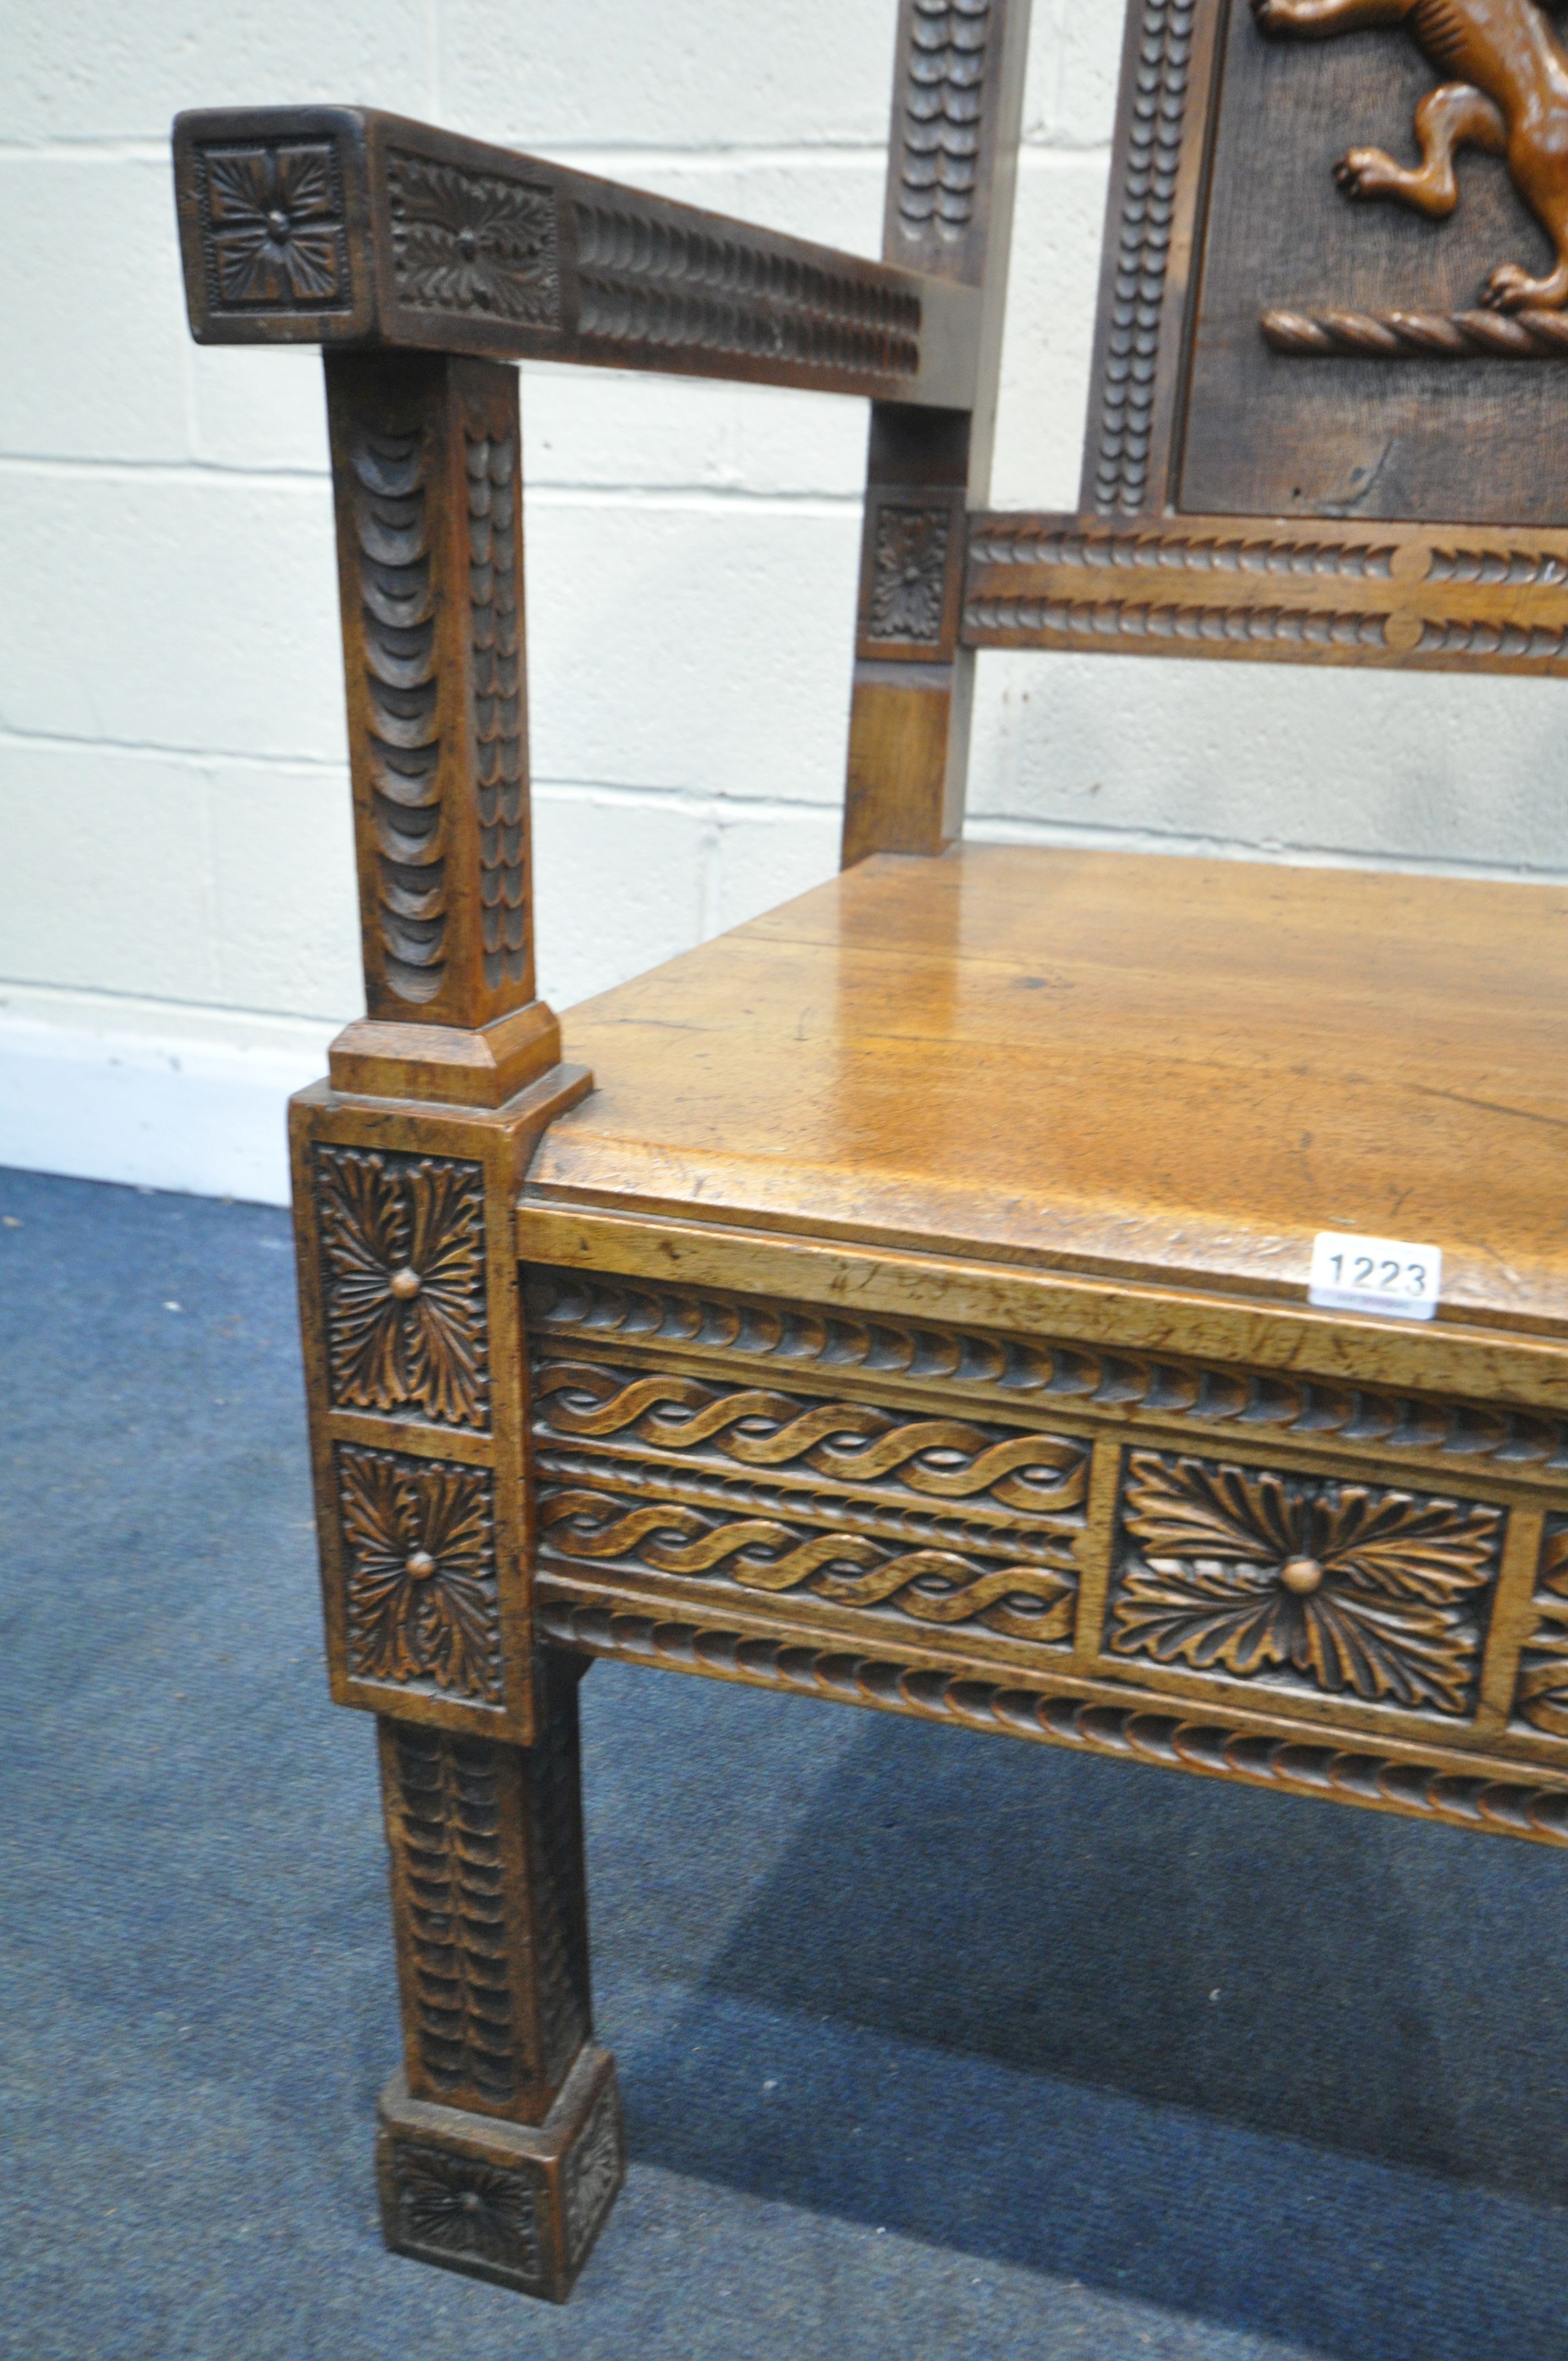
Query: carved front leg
x=501 y=2148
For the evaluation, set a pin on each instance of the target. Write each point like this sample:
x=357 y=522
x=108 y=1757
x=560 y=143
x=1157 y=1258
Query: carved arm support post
x=957 y=98
x=423 y=264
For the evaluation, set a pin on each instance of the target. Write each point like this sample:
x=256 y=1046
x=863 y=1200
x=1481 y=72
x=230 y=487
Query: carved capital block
x=273 y=221
x=520 y=2206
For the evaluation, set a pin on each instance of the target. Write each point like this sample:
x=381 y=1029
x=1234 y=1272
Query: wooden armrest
x=342 y=225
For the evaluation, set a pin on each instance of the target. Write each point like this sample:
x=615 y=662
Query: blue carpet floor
x=932 y=2045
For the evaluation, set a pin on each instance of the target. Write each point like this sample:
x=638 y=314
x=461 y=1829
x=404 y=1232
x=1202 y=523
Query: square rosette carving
x=1293 y=1581
x=402 y=1275
x=909 y=573
x=421 y=1604
x=519 y=2205
x=271 y=221
x=462 y=2210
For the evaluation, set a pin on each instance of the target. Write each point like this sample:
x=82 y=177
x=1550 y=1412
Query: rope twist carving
x=1419 y=336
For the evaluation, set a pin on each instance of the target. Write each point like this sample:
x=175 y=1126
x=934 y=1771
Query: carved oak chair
x=902 y=1299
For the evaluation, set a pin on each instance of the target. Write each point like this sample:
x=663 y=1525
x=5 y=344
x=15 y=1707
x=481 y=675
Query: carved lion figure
x=1508 y=93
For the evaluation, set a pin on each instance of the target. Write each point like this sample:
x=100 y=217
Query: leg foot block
x=518 y=2204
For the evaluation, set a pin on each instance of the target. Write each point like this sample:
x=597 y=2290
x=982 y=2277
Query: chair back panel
x=1298 y=322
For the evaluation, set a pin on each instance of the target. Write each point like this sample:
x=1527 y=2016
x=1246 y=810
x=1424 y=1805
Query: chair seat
x=1153 y=1067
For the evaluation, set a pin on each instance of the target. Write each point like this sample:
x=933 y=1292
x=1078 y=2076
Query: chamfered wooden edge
x=1464 y=1790
x=616 y=278
x=1424 y=598
x=483 y=1067
x=1445 y=1357
x=499 y=1142
x=572 y=2166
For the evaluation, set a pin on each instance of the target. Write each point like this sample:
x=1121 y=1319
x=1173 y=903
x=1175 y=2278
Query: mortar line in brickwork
x=1018 y=829
x=1050 y=148
x=696 y=498
x=152 y=750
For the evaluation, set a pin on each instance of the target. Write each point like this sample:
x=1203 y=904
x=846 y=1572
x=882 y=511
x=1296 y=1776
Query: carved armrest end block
x=275 y=233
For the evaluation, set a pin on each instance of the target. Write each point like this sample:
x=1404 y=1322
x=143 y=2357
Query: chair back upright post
x=958 y=102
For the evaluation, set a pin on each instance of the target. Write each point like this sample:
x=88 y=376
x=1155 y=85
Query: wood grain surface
x=1173 y=1070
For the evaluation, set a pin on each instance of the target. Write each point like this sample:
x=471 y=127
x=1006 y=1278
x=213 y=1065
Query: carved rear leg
x=1512 y=289
x=1540 y=170
x=1453 y=116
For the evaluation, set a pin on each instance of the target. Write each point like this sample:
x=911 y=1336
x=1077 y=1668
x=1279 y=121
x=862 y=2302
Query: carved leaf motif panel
x=471 y=242
x=402 y=1266
x=1344 y=1589
x=757 y=1334
x=271 y=225
x=420 y=1598
x=498 y=753
x=909 y=573
x=937 y=1520
x=445 y=1826
x=1540 y=1701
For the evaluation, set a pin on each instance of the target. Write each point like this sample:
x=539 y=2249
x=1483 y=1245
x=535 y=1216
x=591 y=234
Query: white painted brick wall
x=177 y=871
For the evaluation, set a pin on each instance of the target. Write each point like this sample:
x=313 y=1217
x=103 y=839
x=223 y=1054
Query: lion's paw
x=1366 y=172
x=1510 y=288
x=1273 y=16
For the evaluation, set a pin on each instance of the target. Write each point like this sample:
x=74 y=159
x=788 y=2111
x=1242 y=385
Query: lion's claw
x=1509 y=289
